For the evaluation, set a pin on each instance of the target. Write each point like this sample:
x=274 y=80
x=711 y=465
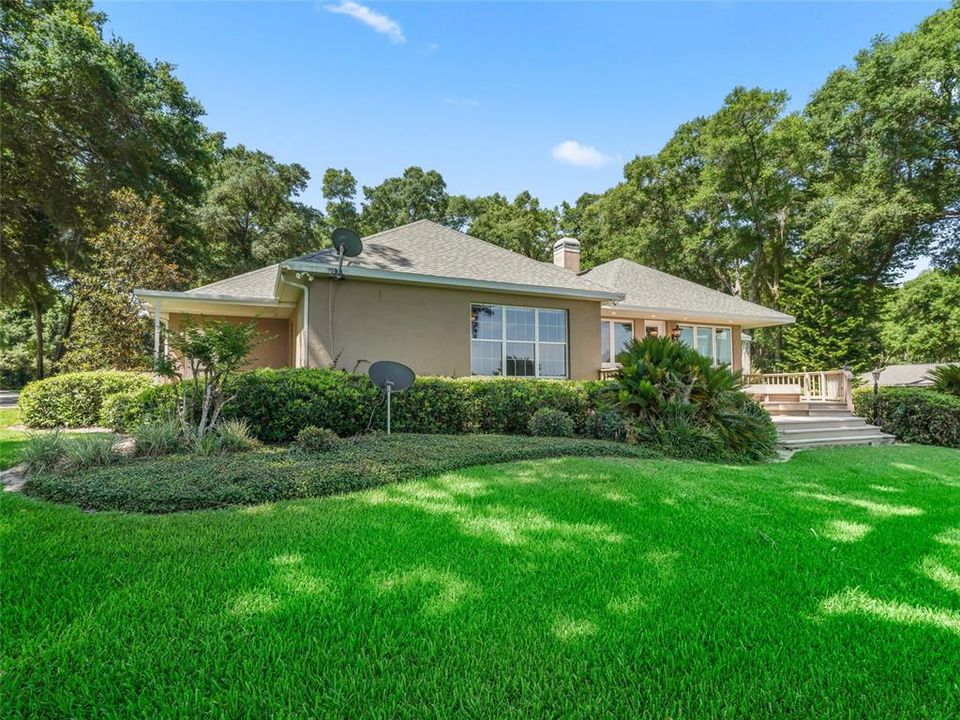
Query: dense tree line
x=814 y=212
x=111 y=182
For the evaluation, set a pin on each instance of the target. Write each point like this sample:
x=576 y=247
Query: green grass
x=10 y=440
x=190 y=482
x=827 y=586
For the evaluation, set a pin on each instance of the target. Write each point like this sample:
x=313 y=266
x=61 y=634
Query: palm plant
x=676 y=399
x=946 y=378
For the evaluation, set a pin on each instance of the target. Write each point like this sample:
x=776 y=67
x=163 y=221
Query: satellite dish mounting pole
x=389 y=388
x=339 y=273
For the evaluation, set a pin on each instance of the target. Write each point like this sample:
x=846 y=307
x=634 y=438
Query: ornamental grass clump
x=89 y=451
x=43 y=452
x=157 y=437
x=677 y=401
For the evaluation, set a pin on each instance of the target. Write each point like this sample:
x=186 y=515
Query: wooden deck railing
x=608 y=373
x=822 y=386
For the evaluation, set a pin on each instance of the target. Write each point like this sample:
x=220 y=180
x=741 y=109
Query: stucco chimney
x=566 y=254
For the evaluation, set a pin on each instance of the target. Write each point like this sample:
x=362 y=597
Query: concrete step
x=788 y=423
x=838 y=431
x=802 y=409
x=827 y=441
x=823 y=430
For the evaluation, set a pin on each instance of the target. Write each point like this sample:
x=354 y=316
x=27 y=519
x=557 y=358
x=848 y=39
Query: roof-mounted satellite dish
x=347 y=244
x=391 y=377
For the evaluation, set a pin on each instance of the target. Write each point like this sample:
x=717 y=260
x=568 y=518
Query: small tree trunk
x=38 y=331
x=61 y=346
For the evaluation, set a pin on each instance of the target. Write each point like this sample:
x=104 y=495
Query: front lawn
x=827 y=586
x=10 y=440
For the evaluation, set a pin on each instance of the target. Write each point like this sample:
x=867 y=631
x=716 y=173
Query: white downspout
x=305 y=350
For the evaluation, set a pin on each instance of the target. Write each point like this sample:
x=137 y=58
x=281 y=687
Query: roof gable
x=425 y=249
x=260 y=283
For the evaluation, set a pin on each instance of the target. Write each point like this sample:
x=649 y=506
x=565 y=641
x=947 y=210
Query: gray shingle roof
x=427 y=248
x=255 y=284
x=645 y=287
x=903 y=375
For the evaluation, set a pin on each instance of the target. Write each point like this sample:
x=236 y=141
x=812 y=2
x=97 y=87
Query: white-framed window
x=518 y=341
x=710 y=341
x=615 y=335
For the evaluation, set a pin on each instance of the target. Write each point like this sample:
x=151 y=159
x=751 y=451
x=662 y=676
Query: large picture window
x=615 y=335
x=518 y=341
x=715 y=343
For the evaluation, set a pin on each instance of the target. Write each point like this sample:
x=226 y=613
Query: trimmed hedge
x=188 y=482
x=918 y=415
x=75 y=399
x=279 y=403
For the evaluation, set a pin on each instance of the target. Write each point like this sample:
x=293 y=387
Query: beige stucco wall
x=356 y=322
x=274 y=352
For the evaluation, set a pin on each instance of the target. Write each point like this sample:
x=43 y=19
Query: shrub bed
x=280 y=403
x=185 y=482
x=919 y=415
x=75 y=399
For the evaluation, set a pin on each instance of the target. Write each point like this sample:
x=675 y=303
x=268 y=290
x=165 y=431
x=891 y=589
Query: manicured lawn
x=827 y=586
x=10 y=440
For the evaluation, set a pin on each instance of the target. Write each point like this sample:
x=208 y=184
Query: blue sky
x=550 y=97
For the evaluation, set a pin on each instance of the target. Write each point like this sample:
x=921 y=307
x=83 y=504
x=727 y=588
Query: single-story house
x=446 y=303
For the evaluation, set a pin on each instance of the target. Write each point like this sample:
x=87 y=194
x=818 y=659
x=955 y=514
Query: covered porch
x=276 y=321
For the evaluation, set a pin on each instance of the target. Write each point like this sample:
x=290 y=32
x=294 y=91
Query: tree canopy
x=816 y=212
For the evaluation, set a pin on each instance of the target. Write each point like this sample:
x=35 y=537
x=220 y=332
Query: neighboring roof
x=650 y=290
x=260 y=283
x=426 y=252
x=903 y=375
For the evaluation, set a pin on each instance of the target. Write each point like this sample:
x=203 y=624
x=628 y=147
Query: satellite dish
x=347 y=244
x=391 y=377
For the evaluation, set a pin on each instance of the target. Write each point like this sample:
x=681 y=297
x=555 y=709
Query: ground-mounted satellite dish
x=391 y=377
x=347 y=244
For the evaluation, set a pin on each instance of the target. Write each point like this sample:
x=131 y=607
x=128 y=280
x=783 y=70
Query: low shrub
x=182 y=482
x=88 y=451
x=316 y=440
x=234 y=436
x=550 y=422
x=157 y=437
x=125 y=411
x=607 y=425
x=75 y=399
x=279 y=403
x=43 y=452
x=919 y=415
x=677 y=435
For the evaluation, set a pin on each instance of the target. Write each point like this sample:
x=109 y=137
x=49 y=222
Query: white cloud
x=433 y=47
x=572 y=152
x=462 y=102
x=377 y=21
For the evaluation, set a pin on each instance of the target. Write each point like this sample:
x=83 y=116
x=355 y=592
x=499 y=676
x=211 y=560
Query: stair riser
x=866 y=434
x=828 y=443
x=838 y=432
